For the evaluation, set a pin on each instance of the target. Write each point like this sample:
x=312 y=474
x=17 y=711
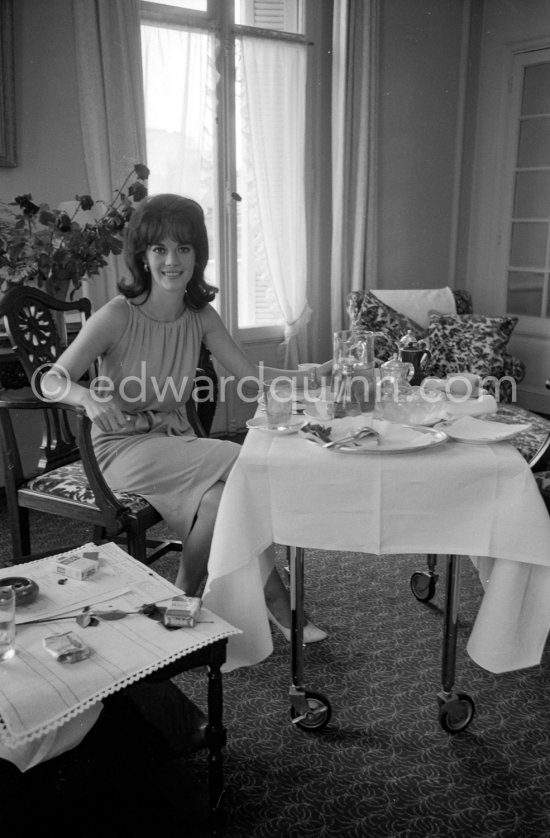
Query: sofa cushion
x=473 y=342
x=368 y=312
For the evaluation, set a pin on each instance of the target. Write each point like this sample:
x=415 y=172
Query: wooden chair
x=67 y=480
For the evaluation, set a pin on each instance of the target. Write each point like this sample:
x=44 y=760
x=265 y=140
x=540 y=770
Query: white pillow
x=415 y=303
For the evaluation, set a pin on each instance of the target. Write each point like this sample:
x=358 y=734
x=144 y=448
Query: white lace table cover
x=38 y=694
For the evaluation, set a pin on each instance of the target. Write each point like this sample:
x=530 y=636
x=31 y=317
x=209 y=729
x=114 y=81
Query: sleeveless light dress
x=150 y=374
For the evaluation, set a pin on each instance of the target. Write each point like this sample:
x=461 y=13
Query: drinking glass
x=7 y=623
x=278 y=402
x=353 y=373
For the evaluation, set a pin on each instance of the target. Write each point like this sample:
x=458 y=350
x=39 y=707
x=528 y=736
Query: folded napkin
x=396 y=436
x=468 y=428
x=484 y=404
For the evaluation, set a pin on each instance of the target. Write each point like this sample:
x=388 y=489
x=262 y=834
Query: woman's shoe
x=312 y=634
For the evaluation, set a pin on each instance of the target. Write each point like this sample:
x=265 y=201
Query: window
x=225 y=123
x=529 y=249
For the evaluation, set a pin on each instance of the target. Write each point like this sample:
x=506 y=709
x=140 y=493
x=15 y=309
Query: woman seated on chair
x=148 y=340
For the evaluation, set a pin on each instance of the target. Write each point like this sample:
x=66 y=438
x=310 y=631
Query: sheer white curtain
x=178 y=70
x=354 y=126
x=108 y=57
x=273 y=110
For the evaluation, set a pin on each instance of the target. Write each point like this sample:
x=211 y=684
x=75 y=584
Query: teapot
x=415 y=352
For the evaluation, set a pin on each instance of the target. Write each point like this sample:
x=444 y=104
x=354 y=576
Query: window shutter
x=281 y=15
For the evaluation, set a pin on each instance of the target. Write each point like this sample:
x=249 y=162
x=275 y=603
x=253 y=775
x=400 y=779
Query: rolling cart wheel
x=457 y=713
x=423 y=586
x=318 y=714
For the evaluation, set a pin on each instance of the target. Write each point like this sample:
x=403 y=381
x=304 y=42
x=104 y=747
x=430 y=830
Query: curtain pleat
x=354 y=128
x=112 y=113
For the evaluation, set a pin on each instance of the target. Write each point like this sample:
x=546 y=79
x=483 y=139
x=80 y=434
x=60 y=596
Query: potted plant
x=52 y=249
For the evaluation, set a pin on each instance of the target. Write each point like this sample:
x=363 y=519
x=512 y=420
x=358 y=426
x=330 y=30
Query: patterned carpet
x=383 y=766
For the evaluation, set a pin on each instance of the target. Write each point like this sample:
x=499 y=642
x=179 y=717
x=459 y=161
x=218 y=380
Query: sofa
x=458 y=339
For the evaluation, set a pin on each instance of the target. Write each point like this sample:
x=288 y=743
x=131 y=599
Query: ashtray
x=26 y=590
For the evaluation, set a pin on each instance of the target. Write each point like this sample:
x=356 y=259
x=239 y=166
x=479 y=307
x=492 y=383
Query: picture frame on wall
x=8 y=151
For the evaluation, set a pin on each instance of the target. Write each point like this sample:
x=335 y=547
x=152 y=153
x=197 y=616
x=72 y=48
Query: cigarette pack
x=182 y=611
x=67 y=648
x=76 y=567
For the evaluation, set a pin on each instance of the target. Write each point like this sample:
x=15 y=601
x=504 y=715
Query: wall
x=419 y=137
x=49 y=144
x=419 y=101
x=504 y=27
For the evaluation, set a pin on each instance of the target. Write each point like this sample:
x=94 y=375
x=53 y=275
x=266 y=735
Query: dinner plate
x=259 y=424
x=456 y=436
x=433 y=437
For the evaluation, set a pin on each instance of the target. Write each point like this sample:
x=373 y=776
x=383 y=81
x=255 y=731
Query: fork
x=361 y=433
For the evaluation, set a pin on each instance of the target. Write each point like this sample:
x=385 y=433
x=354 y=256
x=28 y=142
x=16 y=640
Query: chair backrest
x=36 y=324
x=37 y=328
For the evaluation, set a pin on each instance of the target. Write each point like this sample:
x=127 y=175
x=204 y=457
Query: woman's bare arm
x=230 y=355
x=95 y=338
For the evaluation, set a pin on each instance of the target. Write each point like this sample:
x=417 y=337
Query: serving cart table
x=452 y=499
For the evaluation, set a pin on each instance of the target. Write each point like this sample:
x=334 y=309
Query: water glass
x=278 y=403
x=7 y=623
x=354 y=377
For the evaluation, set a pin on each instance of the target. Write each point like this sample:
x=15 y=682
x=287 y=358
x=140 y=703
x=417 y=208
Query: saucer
x=475 y=431
x=259 y=424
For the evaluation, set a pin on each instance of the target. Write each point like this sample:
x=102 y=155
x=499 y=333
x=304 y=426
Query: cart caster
x=455 y=714
x=423 y=585
x=316 y=716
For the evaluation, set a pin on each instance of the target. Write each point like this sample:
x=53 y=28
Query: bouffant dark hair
x=174 y=217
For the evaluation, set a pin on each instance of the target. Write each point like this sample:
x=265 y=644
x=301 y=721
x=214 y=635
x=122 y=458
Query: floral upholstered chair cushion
x=463 y=301
x=530 y=442
x=543 y=482
x=70 y=482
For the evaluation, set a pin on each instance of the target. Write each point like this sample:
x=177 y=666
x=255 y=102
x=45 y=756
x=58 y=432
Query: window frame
x=520 y=60
x=219 y=18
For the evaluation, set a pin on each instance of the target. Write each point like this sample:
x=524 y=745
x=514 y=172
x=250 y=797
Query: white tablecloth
x=473 y=500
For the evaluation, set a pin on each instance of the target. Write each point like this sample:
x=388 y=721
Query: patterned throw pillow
x=472 y=343
x=368 y=312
